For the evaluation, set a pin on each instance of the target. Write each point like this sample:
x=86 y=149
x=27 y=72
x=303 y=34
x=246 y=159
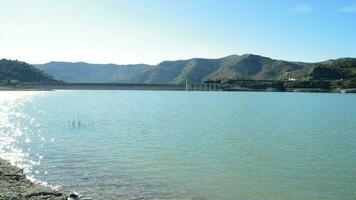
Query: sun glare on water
x=11 y=105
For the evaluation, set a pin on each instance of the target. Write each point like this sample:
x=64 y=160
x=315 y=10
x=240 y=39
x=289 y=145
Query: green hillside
x=254 y=67
x=12 y=71
x=234 y=67
x=336 y=69
x=231 y=67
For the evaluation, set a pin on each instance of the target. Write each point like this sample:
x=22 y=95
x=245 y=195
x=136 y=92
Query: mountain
x=195 y=70
x=15 y=71
x=254 y=67
x=80 y=72
x=344 y=68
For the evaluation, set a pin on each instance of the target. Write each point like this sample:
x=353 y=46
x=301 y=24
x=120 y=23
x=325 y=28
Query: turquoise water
x=184 y=145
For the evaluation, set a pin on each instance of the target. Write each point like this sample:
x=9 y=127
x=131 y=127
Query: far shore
x=158 y=87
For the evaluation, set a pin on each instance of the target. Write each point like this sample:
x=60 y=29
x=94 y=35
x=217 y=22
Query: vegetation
x=329 y=75
x=246 y=71
x=338 y=69
x=194 y=70
x=75 y=123
x=197 y=70
x=309 y=84
x=14 y=72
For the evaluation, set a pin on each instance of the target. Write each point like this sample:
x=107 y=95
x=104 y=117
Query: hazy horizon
x=152 y=31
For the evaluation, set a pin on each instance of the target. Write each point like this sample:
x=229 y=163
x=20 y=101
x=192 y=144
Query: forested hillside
x=13 y=71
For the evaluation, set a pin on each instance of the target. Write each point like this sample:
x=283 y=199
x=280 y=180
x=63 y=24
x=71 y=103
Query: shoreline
x=288 y=90
x=14 y=185
x=243 y=86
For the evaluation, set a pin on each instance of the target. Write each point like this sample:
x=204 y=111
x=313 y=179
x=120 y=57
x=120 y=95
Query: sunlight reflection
x=11 y=106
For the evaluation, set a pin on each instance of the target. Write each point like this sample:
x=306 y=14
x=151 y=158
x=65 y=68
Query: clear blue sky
x=150 y=31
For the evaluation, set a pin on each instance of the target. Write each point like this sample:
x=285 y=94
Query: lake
x=184 y=145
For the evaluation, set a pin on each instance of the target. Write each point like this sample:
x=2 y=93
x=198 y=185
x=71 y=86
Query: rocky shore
x=15 y=186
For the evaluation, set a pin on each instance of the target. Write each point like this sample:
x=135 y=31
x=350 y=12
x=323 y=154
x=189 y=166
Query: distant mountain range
x=194 y=70
x=81 y=72
x=12 y=71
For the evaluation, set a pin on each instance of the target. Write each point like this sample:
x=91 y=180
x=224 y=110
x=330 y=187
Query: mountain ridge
x=195 y=70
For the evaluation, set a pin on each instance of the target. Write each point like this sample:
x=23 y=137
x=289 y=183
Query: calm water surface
x=184 y=145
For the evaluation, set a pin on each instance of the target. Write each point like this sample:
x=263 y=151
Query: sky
x=151 y=31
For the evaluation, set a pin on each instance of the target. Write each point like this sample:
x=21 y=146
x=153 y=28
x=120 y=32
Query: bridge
x=204 y=87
